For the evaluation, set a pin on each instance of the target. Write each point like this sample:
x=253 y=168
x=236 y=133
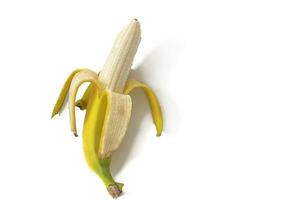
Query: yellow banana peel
x=108 y=104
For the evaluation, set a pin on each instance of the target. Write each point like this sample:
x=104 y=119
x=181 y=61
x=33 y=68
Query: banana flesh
x=117 y=66
x=108 y=104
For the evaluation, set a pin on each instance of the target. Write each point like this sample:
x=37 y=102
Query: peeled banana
x=107 y=104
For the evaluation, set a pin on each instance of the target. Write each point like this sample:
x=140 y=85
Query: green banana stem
x=114 y=188
x=104 y=172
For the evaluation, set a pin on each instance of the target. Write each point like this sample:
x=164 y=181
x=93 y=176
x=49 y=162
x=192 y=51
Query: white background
x=226 y=73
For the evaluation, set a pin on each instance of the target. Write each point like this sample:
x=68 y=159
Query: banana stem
x=114 y=190
x=113 y=187
x=104 y=172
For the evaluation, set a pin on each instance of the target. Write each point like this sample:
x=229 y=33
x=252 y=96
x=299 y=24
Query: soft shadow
x=154 y=70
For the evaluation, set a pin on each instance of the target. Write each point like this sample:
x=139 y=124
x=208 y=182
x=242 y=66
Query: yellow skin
x=97 y=104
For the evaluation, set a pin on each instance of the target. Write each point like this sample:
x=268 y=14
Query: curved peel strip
x=154 y=104
x=63 y=93
x=81 y=77
x=117 y=117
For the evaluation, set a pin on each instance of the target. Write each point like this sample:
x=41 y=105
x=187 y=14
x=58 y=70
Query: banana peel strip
x=153 y=101
x=63 y=93
x=79 y=78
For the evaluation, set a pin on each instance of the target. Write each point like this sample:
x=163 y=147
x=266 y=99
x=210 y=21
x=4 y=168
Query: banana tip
x=52 y=115
x=75 y=134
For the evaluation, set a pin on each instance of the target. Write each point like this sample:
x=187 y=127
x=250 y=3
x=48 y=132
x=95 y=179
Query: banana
x=107 y=104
